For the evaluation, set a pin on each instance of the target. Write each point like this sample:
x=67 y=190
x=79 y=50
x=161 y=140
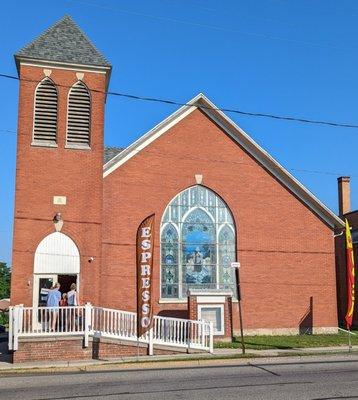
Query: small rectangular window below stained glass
x=214 y=314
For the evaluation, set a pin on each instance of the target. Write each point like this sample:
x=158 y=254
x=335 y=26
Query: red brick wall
x=192 y=307
x=286 y=252
x=228 y=317
x=71 y=349
x=111 y=349
x=51 y=350
x=42 y=173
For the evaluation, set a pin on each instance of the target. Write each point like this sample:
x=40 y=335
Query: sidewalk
x=287 y=352
x=219 y=356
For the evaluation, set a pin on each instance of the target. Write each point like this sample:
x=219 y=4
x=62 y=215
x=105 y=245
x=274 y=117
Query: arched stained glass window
x=197 y=244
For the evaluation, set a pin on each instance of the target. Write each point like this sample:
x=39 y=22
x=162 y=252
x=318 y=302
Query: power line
x=225 y=110
x=196 y=158
x=208 y=26
x=212 y=160
x=9 y=131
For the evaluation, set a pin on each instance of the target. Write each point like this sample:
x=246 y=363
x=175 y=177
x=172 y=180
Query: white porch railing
x=109 y=323
x=183 y=333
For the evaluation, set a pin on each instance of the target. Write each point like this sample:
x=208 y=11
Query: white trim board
x=61 y=65
x=243 y=139
x=210 y=299
x=146 y=139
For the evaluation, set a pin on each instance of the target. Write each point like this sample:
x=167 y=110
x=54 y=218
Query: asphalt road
x=323 y=379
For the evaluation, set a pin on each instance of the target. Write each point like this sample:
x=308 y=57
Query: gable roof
x=63 y=42
x=243 y=139
x=109 y=152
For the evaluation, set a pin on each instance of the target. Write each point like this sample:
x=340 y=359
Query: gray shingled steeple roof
x=64 y=42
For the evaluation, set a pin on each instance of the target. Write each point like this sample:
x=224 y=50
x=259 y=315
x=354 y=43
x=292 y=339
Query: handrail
x=88 y=321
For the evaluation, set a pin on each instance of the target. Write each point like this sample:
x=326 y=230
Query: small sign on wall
x=59 y=200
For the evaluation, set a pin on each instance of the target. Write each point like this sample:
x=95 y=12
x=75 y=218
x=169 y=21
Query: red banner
x=145 y=248
x=350 y=277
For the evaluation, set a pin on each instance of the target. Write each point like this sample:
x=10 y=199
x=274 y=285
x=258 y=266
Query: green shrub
x=4 y=318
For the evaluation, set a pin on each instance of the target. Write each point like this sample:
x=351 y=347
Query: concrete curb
x=222 y=356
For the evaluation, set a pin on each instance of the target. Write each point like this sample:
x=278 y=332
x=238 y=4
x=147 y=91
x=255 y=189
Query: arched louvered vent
x=45 y=113
x=79 y=112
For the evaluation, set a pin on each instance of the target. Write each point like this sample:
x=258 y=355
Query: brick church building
x=78 y=204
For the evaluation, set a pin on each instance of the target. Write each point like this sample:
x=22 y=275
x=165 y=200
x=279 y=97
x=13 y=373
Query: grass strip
x=290 y=342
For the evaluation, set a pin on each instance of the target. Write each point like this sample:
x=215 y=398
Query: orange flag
x=350 y=277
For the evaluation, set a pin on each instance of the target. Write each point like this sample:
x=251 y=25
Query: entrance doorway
x=43 y=283
x=57 y=259
x=66 y=281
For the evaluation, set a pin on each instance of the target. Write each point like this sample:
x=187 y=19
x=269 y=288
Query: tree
x=4 y=281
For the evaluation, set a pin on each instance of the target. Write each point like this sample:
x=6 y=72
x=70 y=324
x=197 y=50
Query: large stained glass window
x=197 y=244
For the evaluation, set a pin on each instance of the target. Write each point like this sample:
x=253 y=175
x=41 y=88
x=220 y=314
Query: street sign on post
x=236 y=265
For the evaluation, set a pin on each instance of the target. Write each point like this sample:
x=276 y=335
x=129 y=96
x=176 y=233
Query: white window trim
x=172 y=301
x=214 y=306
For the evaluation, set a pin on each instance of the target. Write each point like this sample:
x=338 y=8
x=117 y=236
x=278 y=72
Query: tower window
x=45 y=114
x=79 y=113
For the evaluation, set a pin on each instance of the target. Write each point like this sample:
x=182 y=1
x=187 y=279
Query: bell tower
x=58 y=194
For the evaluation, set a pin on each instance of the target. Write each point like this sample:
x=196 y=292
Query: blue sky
x=295 y=58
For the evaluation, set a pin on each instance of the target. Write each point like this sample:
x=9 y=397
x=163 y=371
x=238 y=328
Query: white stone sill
x=73 y=147
x=181 y=301
x=39 y=144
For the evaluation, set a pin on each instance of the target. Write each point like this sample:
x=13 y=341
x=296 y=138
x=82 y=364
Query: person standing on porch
x=72 y=296
x=63 y=301
x=73 y=301
x=53 y=301
x=63 y=311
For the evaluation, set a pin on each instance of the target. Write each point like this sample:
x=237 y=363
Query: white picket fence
x=89 y=321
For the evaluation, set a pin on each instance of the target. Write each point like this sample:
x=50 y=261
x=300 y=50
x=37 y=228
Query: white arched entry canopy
x=57 y=254
x=57 y=259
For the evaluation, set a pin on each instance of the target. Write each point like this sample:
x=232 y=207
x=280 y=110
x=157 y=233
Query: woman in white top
x=72 y=296
x=75 y=315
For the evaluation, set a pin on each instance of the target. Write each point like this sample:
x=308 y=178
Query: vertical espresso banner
x=145 y=249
